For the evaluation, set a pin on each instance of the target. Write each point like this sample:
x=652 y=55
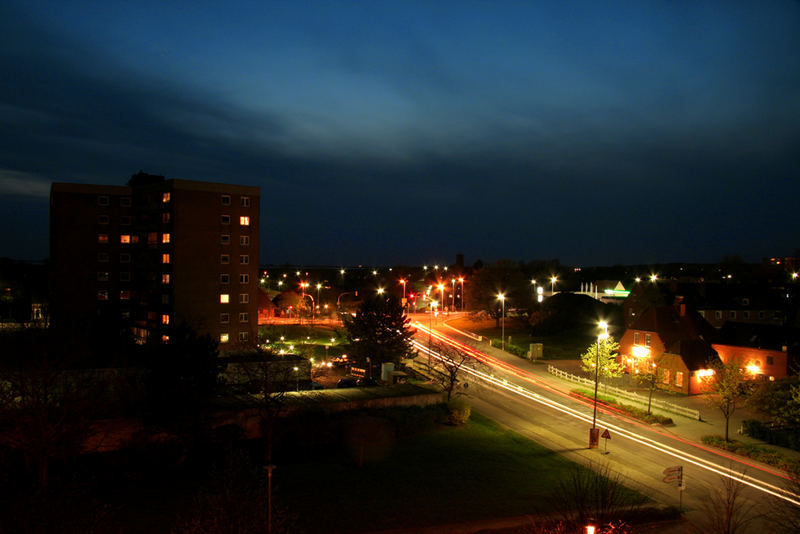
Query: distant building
x=156 y=254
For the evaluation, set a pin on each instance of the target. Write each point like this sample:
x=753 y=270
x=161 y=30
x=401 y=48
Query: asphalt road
x=508 y=390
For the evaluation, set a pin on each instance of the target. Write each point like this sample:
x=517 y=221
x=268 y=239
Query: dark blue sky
x=406 y=132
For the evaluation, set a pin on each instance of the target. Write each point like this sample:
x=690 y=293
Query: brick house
x=676 y=340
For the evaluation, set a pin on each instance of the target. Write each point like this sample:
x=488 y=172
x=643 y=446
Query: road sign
x=606 y=434
x=673 y=474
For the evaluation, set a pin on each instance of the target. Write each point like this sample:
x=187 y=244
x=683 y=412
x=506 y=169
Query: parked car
x=346 y=383
x=366 y=382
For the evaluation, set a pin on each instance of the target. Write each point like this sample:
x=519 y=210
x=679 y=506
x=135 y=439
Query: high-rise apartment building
x=156 y=254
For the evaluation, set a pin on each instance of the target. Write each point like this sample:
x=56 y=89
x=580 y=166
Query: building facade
x=154 y=255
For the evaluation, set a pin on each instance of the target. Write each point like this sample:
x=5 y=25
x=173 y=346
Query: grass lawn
x=453 y=474
x=307 y=340
x=568 y=345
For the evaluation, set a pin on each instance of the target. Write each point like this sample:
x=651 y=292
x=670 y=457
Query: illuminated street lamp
x=297 y=376
x=461 y=279
x=593 y=433
x=553 y=280
x=502 y=298
x=653 y=277
x=403 y=281
x=453 y=296
x=441 y=290
x=380 y=291
x=533 y=288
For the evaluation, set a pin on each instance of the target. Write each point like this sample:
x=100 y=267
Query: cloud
x=23 y=184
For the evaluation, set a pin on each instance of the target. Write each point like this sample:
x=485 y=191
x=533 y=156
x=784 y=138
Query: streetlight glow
x=502 y=298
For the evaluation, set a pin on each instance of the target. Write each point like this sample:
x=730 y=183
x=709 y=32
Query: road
x=508 y=390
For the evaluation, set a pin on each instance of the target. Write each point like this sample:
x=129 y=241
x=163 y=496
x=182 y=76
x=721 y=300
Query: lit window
x=165 y=258
x=244 y=298
x=224 y=338
x=102 y=295
x=226 y=200
x=166 y=217
x=165 y=278
x=102 y=257
x=124 y=295
x=225 y=259
x=225 y=219
x=647 y=340
x=679 y=379
x=244 y=278
x=125 y=202
x=124 y=258
x=125 y=276
x=636 y=338
x=224 y=318
x=102 y=277
x=244 y=259
x=244 y=336
x=224 y=278
x=102 y=238
x=224 y=298
x=165 y=319
x=164 y=338
x=125 y=239
x=244 y=317
x=245 y=202
x=165 y=198
x=244 y=220
x=102 y=219
x=102 y=200
x=244 y=240
x=225 y=239
x=165 y=238
x=665 y=376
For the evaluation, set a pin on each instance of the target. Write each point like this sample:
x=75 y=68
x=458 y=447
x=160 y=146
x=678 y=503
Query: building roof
x=759 y=336
x=695 y=353
x=673 y=327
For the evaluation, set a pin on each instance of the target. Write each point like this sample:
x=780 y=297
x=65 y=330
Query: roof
x=672 y=327
x=695 y=353
x=759 y=336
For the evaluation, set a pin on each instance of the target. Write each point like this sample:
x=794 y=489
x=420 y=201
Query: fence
x=629 y=395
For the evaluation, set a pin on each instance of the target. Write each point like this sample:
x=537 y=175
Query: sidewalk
x=712 y=421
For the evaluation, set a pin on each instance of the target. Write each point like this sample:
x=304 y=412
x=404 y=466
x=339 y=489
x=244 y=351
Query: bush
x=757 y=452
x=458 y=412
x=633 y=411
x=774 y=435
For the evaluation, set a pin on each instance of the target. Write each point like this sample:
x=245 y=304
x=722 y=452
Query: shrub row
x=756 y=452
x=633 y=411
x=781 y=436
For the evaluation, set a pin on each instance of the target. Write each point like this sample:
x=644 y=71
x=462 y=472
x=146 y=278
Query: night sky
x=403 y=132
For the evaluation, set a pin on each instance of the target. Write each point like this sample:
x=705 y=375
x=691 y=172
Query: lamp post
x=461 y=279
x=297 y=377
x=453 y=296
x=441 y=290
x=594 y=431
x=403 y=282
x=553 y=280
x=319 y=286
x=380 y=291
x=502 y=298
x=430 y=331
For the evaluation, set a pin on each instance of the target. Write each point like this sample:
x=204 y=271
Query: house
x=676 y=341
x=766 y=352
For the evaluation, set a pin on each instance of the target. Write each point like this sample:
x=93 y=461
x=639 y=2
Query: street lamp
x=453 y=296
x=441 y=290
x=593 y=433
x=502 y=299
x=533 y=290
x=430 y=331
x=403 y=281
x=380 y=291
x=553 y=280
x=462 y=292
x=297 y=376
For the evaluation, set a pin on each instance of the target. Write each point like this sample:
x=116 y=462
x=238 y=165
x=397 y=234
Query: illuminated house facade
x=676 y=341
x=156 y=254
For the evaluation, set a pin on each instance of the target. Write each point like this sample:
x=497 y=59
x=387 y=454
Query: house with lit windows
x=155 y=254
x=673 y=341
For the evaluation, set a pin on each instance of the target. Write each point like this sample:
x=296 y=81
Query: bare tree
x=725 y=510
x=594 y=494
x=449 y=372
x=784 y=515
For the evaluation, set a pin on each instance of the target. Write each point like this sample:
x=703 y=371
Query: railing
x=629 y=395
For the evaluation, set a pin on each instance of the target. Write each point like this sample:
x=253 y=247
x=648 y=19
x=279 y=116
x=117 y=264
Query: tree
x=452 y=361
x=648 y=376
x=379 y=331
x=725 y=510
x=727 y=387
x=609 y=367
x=504 y=276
